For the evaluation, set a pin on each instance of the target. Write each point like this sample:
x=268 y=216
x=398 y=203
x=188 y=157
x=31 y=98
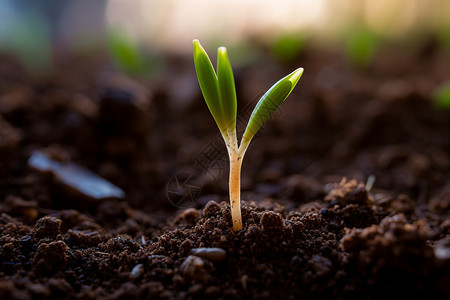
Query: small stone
x=137 y=271
x=442 y=249
x=75 y=178
x=193 y=266
x=211 y=254
x=25 y=239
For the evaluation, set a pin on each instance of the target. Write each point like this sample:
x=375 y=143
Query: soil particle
x=127 y=290
x=50 y=257
x=212 y=209
x=441 y=202
x=85 y=238
x=47 y=227
x=320 y=265
x=10 y=137
x=187 y=218
x=60 y=288
x=272 y=222
x=186 y=247
x=393 y=248
x=27 y=210
x=71 y=219
x=351 y=192
x=39 y=291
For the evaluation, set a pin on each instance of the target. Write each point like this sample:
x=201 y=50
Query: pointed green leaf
x=269 y=102
x=208 y=82
x=227 y=89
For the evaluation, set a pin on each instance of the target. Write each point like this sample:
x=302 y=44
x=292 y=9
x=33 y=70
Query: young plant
x=220 y=96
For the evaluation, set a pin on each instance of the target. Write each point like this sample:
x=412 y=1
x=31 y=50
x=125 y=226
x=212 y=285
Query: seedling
x=220 y=95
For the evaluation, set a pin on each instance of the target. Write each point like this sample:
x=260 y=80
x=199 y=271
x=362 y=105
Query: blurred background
x=112 y=83
x=136 y=30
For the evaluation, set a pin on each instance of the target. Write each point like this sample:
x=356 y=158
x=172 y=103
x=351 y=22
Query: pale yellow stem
x=236 y=155
x=235 y=190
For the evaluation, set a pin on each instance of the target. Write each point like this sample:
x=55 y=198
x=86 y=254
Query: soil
x=346 y=189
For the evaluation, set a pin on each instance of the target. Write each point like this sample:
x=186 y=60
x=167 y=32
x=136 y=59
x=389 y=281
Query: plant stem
x=235 y=189
x=236 y=155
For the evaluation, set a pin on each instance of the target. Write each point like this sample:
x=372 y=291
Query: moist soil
x=346 y=190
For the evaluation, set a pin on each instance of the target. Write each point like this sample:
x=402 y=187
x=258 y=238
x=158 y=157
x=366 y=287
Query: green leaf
x=209 y=85
x=124 y=51
x=287 y=47
x=227 y=89
x=269 y=102
x=361 y=46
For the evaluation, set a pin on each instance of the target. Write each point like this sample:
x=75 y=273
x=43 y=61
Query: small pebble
x=211 y=254
x=442 y=249
x=192 y=266
x=137 y=271
x=75 y=177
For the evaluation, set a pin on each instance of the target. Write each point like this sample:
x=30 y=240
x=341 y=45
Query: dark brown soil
x=314 y=227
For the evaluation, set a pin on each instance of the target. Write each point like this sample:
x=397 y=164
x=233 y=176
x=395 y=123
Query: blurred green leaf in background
x=27 y=37
x=287 y=47
x=128 y=57
x=361 y=46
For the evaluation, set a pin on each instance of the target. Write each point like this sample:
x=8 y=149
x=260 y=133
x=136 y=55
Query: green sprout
x=219 y=92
